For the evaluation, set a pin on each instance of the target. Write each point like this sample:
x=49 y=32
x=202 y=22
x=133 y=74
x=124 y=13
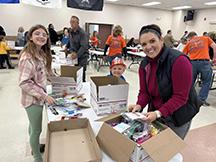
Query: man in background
x=184 y=36
x=169 y=40
x=78 y=44
x=198 y=50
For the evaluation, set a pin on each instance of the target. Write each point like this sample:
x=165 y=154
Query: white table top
x=99 y=53
x=132 y=48
x=141 y=54
x=55 y=48
x=17 y=48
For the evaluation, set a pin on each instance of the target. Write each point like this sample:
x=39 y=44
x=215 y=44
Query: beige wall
x=178 y=25
x=198 y=24
x=131 y=18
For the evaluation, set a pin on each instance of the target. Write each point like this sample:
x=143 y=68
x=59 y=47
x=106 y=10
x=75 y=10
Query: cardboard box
x=71 y=141
x=160 y=148
x=70 y=80
x=73 y=71
x=60 y=85
x=109 y=88
x=109 y=94
x=112 y=107
x=139 y=155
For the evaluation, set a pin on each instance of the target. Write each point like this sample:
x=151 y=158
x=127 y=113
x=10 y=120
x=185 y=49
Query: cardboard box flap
x=119 y=148
x=94 y=141
x=69 y=71
x=106 y=80
x=113 y=93
x=109 y=117
x=164 y=146
x=64 y=125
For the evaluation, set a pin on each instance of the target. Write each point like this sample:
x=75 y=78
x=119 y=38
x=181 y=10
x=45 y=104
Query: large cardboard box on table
x=70 y=80
x=159 y=148
x=71 y=141
x=109 y=94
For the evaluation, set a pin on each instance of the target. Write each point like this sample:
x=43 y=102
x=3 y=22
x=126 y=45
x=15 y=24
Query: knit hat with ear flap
x=117 y=61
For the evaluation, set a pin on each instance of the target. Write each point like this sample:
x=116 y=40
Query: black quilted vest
x=164 y=69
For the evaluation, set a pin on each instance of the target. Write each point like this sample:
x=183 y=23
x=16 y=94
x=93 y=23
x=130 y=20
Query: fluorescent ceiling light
x=181 y=7
x=151 y=3
x=210 y=3
x=112 y=0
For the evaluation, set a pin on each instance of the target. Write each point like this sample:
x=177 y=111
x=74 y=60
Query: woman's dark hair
x=2 y=32
x=50 y=26
x=94 y=32
x=65 y=28
x=151 y=28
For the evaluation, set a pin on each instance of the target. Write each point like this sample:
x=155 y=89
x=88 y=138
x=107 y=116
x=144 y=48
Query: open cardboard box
x=109 y=94
x=109 y=88
x=160 y=148
x=73 y=71
x=70 y=80
x=71 y=141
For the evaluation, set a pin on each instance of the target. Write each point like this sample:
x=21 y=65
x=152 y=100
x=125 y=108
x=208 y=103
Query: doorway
x=104 y=30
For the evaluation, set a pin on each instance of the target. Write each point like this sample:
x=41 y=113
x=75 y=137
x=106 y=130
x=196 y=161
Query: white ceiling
x=166 y=4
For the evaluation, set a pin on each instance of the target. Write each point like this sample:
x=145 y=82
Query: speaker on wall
x=189 y=16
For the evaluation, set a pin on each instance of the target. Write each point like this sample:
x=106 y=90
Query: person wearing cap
x=116 y=44
x=117 y=68
x=198 y=50
x=165 y=77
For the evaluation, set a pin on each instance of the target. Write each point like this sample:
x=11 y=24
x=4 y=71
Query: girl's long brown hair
x=31 y=48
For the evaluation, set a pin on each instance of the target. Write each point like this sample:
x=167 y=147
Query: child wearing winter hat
x=117 y=68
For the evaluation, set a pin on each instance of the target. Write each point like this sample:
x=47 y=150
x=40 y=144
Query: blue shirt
x=120 y=76
x=65 y=40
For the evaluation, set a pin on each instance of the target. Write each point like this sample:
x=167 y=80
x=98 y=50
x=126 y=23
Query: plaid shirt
x=32 y=80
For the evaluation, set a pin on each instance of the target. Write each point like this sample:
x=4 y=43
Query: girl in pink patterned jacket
x=34 y=66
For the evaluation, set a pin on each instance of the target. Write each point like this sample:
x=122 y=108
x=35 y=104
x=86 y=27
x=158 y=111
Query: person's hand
x=73 y=55
x=50 y=100
x=150 y=116
x=134 y=108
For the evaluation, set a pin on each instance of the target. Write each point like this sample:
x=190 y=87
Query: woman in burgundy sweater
x=165 y=77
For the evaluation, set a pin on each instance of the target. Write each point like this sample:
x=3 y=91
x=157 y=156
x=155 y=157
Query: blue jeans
x=202 y=67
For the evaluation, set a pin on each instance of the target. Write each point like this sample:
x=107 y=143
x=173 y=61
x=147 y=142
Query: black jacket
x=78 y=42
x=53 y=36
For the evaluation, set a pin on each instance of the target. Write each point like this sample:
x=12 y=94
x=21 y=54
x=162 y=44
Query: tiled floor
x=201 y=144
x=14 y=123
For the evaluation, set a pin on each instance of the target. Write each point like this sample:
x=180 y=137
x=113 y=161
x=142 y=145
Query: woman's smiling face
x=151 y=44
